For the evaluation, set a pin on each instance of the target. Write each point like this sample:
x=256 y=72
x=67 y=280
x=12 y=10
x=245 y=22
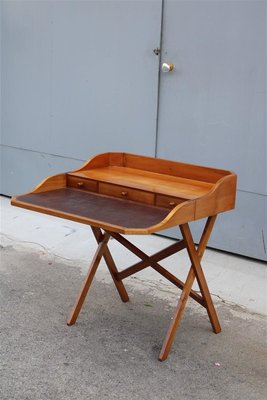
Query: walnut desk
x=118 y=194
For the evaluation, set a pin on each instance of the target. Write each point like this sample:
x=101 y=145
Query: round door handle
x=167 y=67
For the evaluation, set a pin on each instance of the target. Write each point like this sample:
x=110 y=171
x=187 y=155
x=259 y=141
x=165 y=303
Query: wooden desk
x=118 y=194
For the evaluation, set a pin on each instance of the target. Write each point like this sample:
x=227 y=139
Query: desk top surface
x=133 y=194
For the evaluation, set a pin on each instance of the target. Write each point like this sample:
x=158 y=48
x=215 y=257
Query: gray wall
x=213 y=106
x=80 y=77
x=1 y=166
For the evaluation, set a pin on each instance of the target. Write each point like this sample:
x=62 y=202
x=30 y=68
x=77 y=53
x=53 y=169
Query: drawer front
x=168 y=201
x=81 y=183
x=126 y=193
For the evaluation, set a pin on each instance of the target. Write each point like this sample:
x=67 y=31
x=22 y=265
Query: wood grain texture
x=148 y=181
x=88 y=280
x=129 y=194
x=188 y=191
x=111 y=266
x=195 y=271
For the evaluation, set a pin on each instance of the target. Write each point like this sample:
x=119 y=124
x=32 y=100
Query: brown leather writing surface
x=97 y=207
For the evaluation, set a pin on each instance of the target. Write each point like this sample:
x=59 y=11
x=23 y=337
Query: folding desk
x=123 y=194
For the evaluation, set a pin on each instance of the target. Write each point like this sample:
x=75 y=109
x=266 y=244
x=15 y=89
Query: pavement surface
x=112 y=350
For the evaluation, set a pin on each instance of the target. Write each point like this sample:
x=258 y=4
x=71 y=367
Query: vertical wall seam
x=159 y=76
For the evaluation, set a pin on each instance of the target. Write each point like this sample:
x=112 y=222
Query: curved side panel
x=221 y=198
x=103 y=160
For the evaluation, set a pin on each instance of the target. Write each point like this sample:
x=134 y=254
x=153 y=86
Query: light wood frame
x=120 y=193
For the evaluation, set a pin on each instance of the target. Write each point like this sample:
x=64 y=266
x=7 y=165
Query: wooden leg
x=193 y=272
x=177 y=316
x=195 y=259
x=111 y=266
x=170 y=277
x=88 y=280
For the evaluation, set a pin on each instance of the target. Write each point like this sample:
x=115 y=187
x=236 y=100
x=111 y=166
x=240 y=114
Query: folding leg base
x=195 y=272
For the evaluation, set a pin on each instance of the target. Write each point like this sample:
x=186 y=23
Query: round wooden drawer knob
x=80 y=184
x=172 y=203
x=124 y=194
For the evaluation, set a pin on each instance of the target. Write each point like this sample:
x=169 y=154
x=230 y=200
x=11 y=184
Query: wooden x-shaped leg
x=102 y=251
x=195 y=272
x=111 y=266
x=89 y=278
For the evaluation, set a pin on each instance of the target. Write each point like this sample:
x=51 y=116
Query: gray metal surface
x=0 y=81
x=22 y=170
x=213 y=105
x=80 y=77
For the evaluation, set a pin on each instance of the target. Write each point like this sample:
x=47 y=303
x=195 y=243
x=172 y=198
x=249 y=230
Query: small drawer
x=81 y=183
x=168 y=201
x=126 y=193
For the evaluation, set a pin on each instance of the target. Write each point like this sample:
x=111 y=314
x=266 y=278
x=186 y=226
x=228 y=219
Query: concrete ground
x=112 y=351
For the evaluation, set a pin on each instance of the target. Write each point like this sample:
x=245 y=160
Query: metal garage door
x=81 y=77
x=78 y=78
x=213 y=106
